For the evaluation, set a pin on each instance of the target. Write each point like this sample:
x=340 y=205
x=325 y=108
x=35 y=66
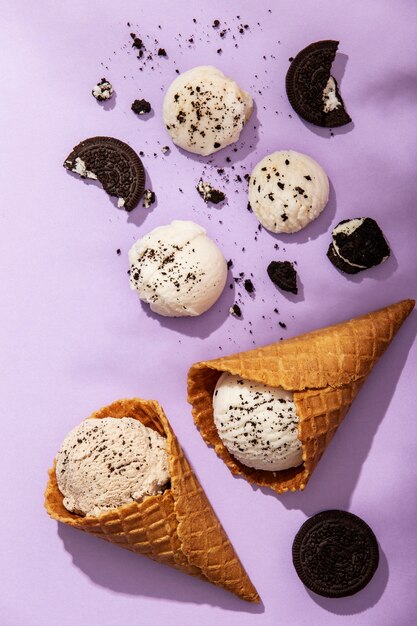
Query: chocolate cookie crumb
x=165 y=149
x=282 y=324
x=235 y=310
x=103 y=90
x=283 y=275
x=162 y=52
x=140 y=107
x=216 y=23
x=248 y=284
x=148 y=198
x=208 y=193
x=118 y=252
x=229 y=264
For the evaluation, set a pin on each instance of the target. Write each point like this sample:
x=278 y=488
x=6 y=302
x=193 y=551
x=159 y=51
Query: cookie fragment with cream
x=357 y=244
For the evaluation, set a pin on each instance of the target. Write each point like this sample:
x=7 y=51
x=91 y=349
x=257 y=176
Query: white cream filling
x=120 y=202
x=80 y=168
x=329 y=98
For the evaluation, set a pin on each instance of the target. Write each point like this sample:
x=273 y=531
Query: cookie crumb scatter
x=208 y=193
x=235 y=310
x=148 y=198
x=141 y=107
x=103 y=90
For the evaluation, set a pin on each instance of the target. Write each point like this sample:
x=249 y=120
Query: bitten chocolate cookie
x=335 y=554
x=283 y=275
x=311 y=89
x=357 y=245
x=114 y=164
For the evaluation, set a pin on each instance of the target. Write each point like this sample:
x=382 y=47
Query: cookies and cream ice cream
x=177 y=269
x=205 y=111
x=287 y=190
x=105 y=463
x=257 y=424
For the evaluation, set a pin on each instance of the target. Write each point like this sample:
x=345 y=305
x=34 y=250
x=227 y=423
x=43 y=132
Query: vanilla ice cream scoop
x=177 y=269
x=257 y=424
x=205 y=111
x=287 y=191
x=105 y=463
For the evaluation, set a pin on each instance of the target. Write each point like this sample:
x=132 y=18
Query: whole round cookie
x=112 y=162
x=287 y=190
x=311 y=89
x=335 y=554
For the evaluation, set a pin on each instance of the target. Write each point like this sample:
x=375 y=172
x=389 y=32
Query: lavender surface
x=74 y=337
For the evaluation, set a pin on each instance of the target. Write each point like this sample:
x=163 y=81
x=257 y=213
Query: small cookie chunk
x=103 y=90
x=287 y=190
x=283 y=275
x=140 y=107
x=209 y=193
x=312 y=90
x=114 y=164
x=235 y=310
x=335 y=554
x=357 y=245
x=148 y=198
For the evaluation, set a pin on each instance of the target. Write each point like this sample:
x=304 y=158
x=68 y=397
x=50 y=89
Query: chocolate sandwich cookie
x=357 y=245
x=311 y=89
x=335 y=554
x=283 y=275
x=114 y=164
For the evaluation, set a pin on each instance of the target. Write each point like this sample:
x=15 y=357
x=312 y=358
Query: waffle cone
x=178 y=528
x=324 y=369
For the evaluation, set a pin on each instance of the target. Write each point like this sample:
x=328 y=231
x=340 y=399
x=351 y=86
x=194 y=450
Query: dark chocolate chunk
x=114 y=164
x=140 y=107
x=283 y=275
x=361 y=247
x=335 y=554
x=306 y=80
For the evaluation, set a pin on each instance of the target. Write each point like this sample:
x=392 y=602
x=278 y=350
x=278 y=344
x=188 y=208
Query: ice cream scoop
x=177 y=269
x=106 y=463
x=258 y=424
x=287 y=190
x=205 y=111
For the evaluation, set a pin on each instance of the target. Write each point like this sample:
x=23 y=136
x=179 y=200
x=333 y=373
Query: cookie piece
x=287 y=190
x=312 y=90
x=335 y=554
x=283 y=275
x=103 y=90
x=114 y=164
x=357 y=245
x=141 y=107
x=149 y=198
x=209 y=193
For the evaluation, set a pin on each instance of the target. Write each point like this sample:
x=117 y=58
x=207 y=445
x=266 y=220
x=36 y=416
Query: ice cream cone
x=178 y=528
x=324 y=369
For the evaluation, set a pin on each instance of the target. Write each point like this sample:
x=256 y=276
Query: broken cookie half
x=312 y=90
x=114 y=164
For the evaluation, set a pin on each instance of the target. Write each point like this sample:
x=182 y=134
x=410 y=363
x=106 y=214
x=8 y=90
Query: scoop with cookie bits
x=205 y=111
x=177 y=269
x=358 y=244
x=131 y=485
x=318 y=375
x=114 y=164
x=312 y=90
x=287 y=191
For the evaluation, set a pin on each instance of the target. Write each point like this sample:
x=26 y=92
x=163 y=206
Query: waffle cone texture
x=324 y=369
x=178 y=528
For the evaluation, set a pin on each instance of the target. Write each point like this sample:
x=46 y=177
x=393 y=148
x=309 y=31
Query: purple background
x=74 y=337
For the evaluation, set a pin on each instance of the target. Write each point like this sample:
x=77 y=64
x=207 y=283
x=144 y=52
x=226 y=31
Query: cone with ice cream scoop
x=176 y=526
x=279 y=406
